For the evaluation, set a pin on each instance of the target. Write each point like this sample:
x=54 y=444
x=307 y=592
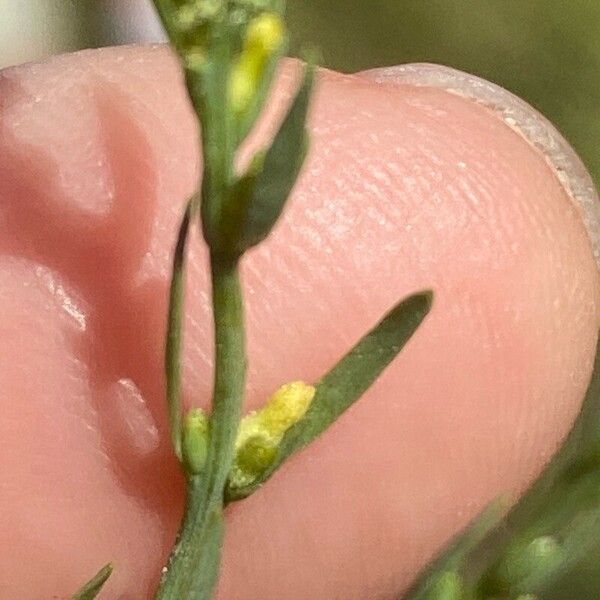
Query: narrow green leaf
x=348 y=380
x=545 y=537
x=447 y=586
x=175 y=333
x=563 y=504
x=525 y=566
x=280 y=170
x=454 y=558
x=92 y=588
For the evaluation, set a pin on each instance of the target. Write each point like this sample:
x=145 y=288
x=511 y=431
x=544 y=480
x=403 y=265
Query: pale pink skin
x=406 y=188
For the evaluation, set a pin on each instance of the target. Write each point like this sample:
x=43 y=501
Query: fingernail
x=519 y=116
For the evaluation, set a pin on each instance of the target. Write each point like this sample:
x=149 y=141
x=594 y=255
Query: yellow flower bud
x=261 y=432
x=286 y=407
x=263 y=36
x=242 y=87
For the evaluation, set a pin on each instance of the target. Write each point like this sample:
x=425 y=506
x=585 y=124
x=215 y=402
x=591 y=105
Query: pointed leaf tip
x=281 y=164
x=348 y=380
x=93 y=587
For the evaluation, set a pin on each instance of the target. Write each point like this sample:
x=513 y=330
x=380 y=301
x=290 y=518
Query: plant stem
x=193 y=566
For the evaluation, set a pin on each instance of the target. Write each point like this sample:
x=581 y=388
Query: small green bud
x=194 y=443
x=539 y=557
x=195 y=59
x=526 y=565
x=252 y=459
x=191 y=14
x=447 y=586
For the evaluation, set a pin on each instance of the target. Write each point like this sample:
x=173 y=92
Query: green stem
x=193 y=566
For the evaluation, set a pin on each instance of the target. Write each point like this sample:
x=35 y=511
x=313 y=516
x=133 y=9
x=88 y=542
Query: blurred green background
x=547 y=51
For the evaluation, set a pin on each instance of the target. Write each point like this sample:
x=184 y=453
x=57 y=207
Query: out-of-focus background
x=547 y=51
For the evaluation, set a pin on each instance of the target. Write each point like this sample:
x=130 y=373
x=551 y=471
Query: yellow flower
x=264 y=36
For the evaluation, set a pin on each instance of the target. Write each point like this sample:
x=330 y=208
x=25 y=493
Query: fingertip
x=520 y=116
x=406 y=189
